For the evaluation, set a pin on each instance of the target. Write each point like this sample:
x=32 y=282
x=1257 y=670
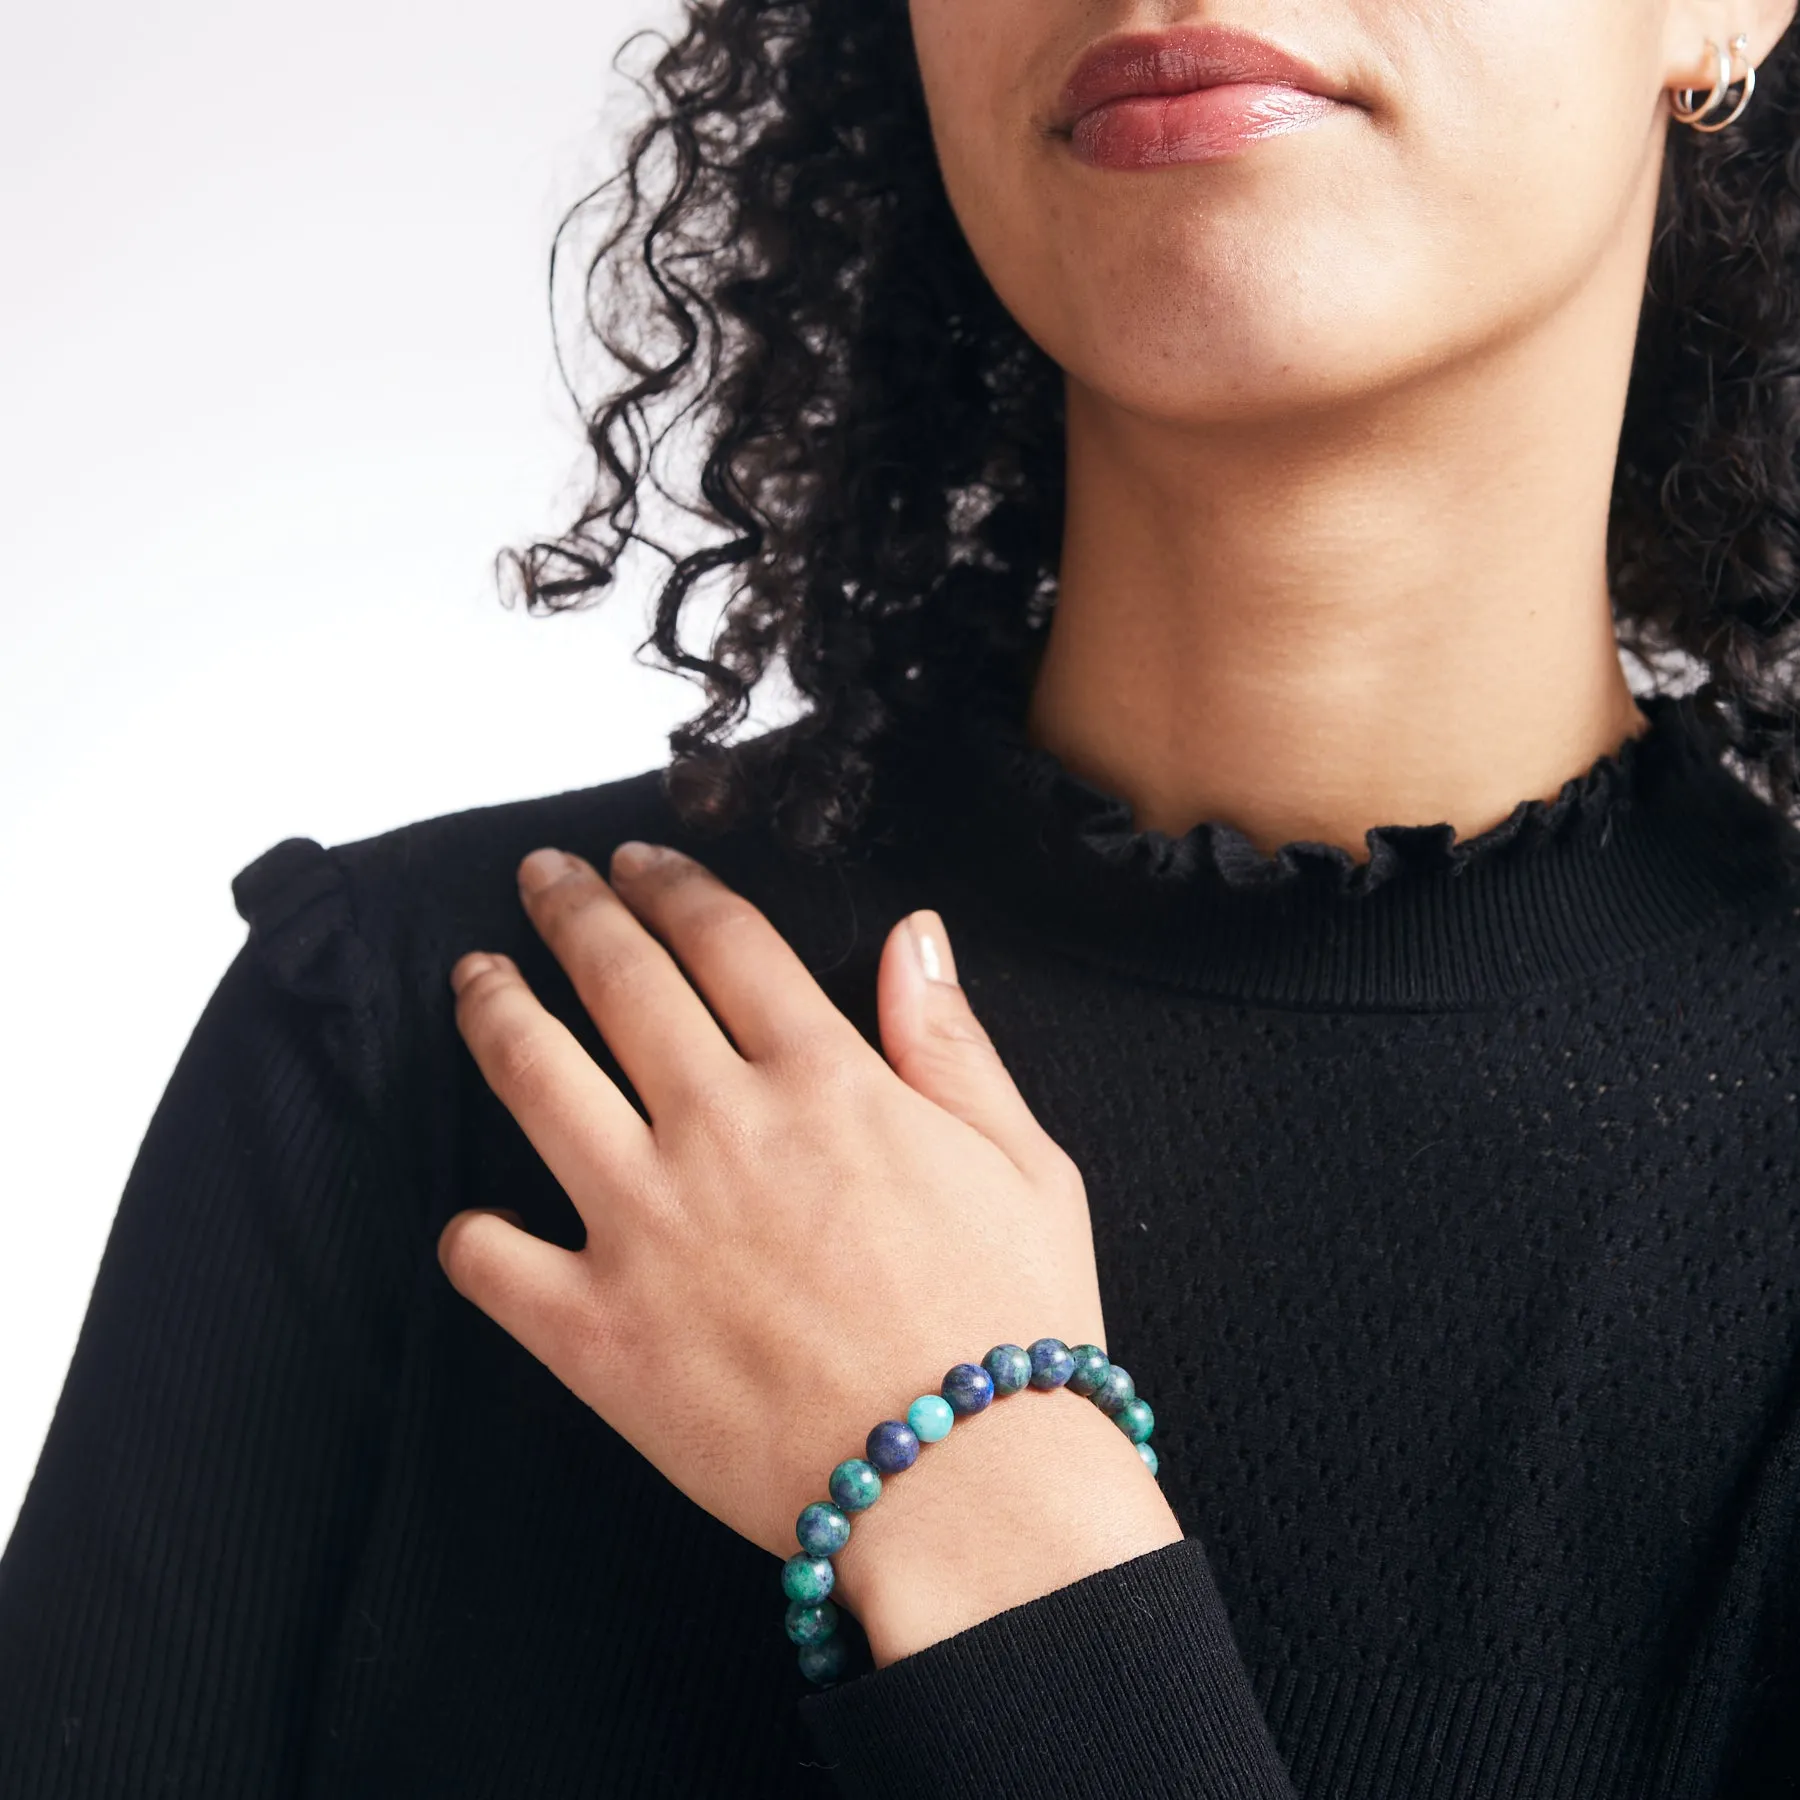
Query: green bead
x=822 y=1529
x=807 y=1578
x=1149 y=1457
x=811 y=1624
x=824 y=1661
x=930 y=1417
x=1091 y=1364
x=855 y=1484
x=1136 y=1420
x=1116 y=1387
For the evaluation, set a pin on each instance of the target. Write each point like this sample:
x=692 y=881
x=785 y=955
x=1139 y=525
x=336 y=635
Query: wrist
x=1036 y=1491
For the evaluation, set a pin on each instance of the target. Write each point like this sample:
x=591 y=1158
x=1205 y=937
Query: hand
x=803 y=1237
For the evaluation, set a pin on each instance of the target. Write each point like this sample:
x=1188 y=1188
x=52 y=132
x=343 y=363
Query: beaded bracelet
x=824 y=1526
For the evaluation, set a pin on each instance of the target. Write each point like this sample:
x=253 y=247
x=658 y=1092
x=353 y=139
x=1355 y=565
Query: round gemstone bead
x=1009 y=1366
x=1051 y=1363
x=823 y=1661
x=969 y=1388
x=1136 y=1420
x=893 y=1446
x=1149 y=1457
x=822 y=1529
x=807 y=1578
x=855 y=1484
x=930 y=1417
x=1091 y=1364
x=811 y=1624
x=1116 y=1390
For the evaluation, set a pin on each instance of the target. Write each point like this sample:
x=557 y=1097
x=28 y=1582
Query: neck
x=1390 y=612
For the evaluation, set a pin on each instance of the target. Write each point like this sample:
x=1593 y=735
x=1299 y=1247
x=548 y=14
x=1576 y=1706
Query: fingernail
x=933 y=947
x=542 y=867
x=632 y=855
x=478 y=963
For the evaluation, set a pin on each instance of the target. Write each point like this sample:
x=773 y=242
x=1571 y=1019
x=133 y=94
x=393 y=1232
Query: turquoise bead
x=1136 y=1420
x=1115 y=1390
x=807 y=1578
x=822 y=1529
x=855 y=1484
x=811 y=1624
x=1051 y=1363
x=1091 y=1364
x=930 y=1417
x=1010 y=1367
x=1149 y=1457
x=823 y=1661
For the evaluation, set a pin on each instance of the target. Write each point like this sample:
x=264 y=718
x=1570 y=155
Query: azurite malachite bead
x=1091 y=1364
x=807 y=1578
x=811 y=1624
x=1149 y=1457
x=824 y=1661
x=1009 y=1367
x=969 y=1388
x=823 y=1529
x=1114 y=1392
x=1051 y=1363
x=1136 y=1420
x=930 y=1416
x=892 y=1446
x=855 y=1484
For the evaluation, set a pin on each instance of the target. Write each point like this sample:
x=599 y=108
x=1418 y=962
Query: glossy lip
x=1144 y=64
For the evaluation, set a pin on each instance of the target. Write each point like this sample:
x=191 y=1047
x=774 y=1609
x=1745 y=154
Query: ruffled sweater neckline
x=1646 y=843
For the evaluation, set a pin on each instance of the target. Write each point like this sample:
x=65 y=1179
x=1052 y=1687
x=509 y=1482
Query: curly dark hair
x=884 y=444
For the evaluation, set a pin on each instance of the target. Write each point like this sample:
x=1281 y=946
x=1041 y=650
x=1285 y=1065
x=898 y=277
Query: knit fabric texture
x=1447 y=1209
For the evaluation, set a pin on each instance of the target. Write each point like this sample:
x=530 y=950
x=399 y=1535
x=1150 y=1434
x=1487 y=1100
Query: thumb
x=934 y=1042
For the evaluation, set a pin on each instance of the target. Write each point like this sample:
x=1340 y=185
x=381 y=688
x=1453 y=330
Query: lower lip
x=1153 y=131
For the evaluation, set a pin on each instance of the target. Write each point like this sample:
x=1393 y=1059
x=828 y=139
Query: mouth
x=1186 y=95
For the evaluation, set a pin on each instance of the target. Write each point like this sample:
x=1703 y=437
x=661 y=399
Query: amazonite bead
x=1149 y=1457
x=1051 y=1363
x=930 y=1417
x=855 y=1484
x=822 y=1529
x=807 y=1578
x=823 y=1661
x=969 y=1388
x=892 y=1447
x=1091 y=1364
x=1136 y=1420
x=1009 y=1367
x=1114 y=1391
x=811 y=1624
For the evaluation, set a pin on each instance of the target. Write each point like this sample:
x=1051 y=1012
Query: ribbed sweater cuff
x=1126 y=1682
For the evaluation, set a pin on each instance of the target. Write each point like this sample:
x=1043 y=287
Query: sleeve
x=174 y=1576
x=1126 y=1682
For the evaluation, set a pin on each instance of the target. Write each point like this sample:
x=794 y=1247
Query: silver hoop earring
x=1687 y=113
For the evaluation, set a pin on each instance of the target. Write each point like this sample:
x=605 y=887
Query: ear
x=1691 y=23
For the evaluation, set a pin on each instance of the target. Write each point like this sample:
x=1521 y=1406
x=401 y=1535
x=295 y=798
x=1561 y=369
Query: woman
x=1222 y=902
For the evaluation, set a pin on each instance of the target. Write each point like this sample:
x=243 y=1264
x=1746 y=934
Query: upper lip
x=1179 y=61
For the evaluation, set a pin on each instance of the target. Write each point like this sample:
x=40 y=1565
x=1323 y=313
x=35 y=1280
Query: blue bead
x=930 y=1417
x=808 y=1578
x=855 y=1484
x=823 y=1529
x=1136 y=1420
x=1149 y=1457
x=1114 y=1391
x=810 y=1624
x=1051 y=1363
x=969 y=1388
x=823 y=1661
x=893 y=1446
x=1091 y=1364
x=1010 y=1367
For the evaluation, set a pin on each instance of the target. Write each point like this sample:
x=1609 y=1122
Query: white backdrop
x=276 y=383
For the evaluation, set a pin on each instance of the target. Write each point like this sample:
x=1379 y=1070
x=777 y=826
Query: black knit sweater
x=1447 y=1209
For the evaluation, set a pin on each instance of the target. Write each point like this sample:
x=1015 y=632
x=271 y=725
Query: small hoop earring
x=1687 y=113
